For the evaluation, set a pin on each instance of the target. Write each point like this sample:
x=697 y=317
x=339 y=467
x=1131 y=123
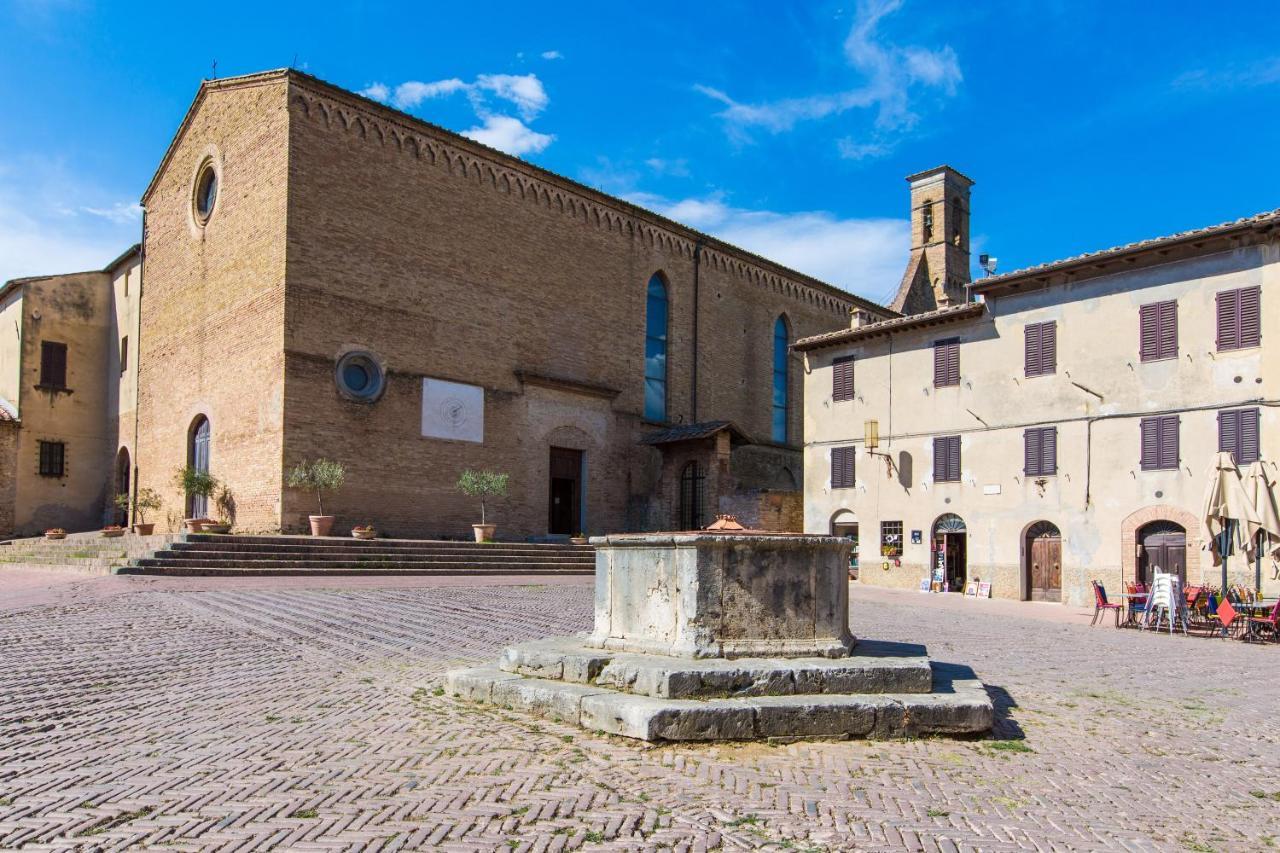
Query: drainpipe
x=697 y=267
x=137 y=368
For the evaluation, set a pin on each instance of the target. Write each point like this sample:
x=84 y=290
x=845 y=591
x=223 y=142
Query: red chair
x=1101 y=605
x=1257 y=626
x=1221 y=616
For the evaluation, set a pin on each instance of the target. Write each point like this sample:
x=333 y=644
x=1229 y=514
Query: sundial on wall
x=453 y=413
x=452 y=410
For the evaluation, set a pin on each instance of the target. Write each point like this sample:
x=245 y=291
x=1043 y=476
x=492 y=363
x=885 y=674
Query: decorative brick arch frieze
x=378 y=130
x=1135 y=521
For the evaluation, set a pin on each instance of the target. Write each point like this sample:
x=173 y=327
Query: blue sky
x=783 y=127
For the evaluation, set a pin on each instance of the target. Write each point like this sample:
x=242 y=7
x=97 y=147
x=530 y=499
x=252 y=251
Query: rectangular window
x=891 y=538
x=946 y=362
x=1238 y=434
x=946 y=459
x=842 y=471
x=53 y=364
x=842 y=378
x=1158 y=331
x=52 y=458
x=1240 y=318
x=1040 y=452
x=1160 y=443
x=124 y=354
x=1040 y=348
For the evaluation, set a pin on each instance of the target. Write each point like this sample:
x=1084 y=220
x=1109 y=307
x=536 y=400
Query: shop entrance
x=950 y=559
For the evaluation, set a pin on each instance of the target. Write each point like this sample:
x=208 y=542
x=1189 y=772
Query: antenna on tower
x=215 y=70
x=988 y=264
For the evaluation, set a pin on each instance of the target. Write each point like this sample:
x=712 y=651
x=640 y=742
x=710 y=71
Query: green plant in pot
x=483 y=485
x=226 y=506
x=319 y=476
x=145 y=501
x=193 y=482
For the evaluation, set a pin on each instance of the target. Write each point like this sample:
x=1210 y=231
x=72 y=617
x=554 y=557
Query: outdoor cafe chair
x=1220 y=617
x=1137 y=602
x=1259 y=626
x=1101 y=605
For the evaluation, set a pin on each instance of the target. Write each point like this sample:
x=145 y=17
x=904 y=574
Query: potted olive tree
x=145 y=501
x=193 y=482
x=483 y=485
x=319 y=476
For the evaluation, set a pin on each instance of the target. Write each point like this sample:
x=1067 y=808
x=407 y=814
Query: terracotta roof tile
x=928 y=318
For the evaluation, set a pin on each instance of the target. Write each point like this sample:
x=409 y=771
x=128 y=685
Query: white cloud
x=675 y=168
x=525 y=92
x=552 y=54
x=864 y=256
x=851 y=150
x=122 y=212
x=890 y=74
x=1264 y=73
x=510 y=135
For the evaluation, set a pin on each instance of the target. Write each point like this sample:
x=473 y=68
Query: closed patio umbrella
x=1260 y=487
x=1225 y=502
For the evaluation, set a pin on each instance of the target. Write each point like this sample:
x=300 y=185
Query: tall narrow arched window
x=198 y=458
x=655 y=351
x=781 y=343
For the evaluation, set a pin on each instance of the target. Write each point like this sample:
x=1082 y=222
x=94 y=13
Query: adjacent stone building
x=1058 y=431
x=67 y=384
x=328 y=277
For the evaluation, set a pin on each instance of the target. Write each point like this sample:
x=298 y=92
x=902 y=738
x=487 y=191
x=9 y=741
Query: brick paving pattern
x=234 y=715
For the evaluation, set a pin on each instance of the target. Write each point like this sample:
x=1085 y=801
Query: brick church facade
x=324 y=276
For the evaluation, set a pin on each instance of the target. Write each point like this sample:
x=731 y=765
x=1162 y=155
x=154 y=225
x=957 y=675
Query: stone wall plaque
x=452 y=410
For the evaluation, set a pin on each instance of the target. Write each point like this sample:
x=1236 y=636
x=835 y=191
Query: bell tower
x=938 y=268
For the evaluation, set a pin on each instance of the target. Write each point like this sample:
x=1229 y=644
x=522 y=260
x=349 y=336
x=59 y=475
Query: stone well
x=728 y=635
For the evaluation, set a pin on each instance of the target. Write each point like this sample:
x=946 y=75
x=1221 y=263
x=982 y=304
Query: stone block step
x=957 y=705
x=366 y=566
x=873 y=668
x=345 y=542
x=321 y=553
x=310 y=570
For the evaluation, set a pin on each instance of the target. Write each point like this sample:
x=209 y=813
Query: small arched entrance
x=692 y=497
x=198 y=458
x=845 y=524
x=950 y=552
x=1162 y=545
x=121 y=514
x=1043 y=549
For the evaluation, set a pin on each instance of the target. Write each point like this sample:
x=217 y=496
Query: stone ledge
x=960 y=707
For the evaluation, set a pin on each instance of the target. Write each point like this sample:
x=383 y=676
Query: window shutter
x=1032 y=346
x=1049 y=451
x=953 y=458
x=1229 y=432
x=946 y=362
x=1168 y=322
x=939 y=364
x=1250 y=317
x=953 y=363
x=842 y=378
x=1150 y=443
x=1249 y=448
x=1031 y=453
x=1049 y=347
x=842 y=467
x=1228 y=319
x=1148 y=335
x=1169 y=442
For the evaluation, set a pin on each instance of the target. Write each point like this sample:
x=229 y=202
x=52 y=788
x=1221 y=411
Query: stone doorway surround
x=1159 y=512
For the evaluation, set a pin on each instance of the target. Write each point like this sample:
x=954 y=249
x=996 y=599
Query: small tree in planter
x=319 y=476
x=145 y=501
x=483 y=485
x=226 y=504
x=195 y=483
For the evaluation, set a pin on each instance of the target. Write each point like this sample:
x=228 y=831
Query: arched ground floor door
x=1162 y=545
x=123 y=471
x=1043 y=550
x=845 y=524
x=950 y=552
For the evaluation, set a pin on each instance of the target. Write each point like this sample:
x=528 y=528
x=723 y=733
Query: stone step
x=872 y=668
x=311 y=570
x=957 y=705
x=246 y=550
x=345 y=542
x=172 y=559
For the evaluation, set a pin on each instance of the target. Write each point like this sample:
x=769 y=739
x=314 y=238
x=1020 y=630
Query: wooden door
x=1046 y=568
x=1166 y=551
x=565 y=501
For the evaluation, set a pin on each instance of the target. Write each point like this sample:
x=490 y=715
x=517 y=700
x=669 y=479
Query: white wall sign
x=452 y=410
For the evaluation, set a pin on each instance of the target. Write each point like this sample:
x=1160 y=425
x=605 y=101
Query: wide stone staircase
x=85 y=553
x=235 y=556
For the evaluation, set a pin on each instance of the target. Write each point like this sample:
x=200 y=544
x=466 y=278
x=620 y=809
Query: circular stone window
x=360 y=377
x=206 y=192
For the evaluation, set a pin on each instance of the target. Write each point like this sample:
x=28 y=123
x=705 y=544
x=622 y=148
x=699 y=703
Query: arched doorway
x=1043 y=550
x=123 y=471
x=1162 y=545
x=692 y=498
x=844 y=523
x=198 y=458
x=950 y=566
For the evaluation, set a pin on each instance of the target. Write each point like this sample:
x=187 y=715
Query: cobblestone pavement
x=237 y=716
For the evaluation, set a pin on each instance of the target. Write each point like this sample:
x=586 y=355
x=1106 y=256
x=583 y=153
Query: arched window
x=926 y=223
x=781 y=344
x=655 y=351
x=198 y=458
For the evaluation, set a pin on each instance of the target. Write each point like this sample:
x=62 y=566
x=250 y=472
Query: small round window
x=360 y=377
x=206 y=192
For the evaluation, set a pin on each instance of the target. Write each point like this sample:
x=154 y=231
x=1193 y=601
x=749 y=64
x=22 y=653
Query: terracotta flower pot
x=364 y=534
x=321 y=525
x=145 y=529
x=194 y=525
x=55 y=536
x=484 y=532
x=578 y=540
x=217 y=528
x=112 y=534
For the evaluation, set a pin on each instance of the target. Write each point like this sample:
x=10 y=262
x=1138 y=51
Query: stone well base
x=880 y=691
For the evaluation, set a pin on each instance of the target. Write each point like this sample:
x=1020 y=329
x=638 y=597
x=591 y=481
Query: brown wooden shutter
x=1169 y=441
x=946 y=362
x=939 y=459
x=953 y=458
x=1031 y=348
x=1228 y=308
x=1168 y=322
x=1031 y=452
x=946 y=458
x=1150 y=443
x=53 y=364
x=1049 y=451
x=1250 y=450
x=939 y=363
x=953 y=363
x=1249 y=321
x=1228 y=432
x=842 y=378
x=1049 y=347
x=1149 y=332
